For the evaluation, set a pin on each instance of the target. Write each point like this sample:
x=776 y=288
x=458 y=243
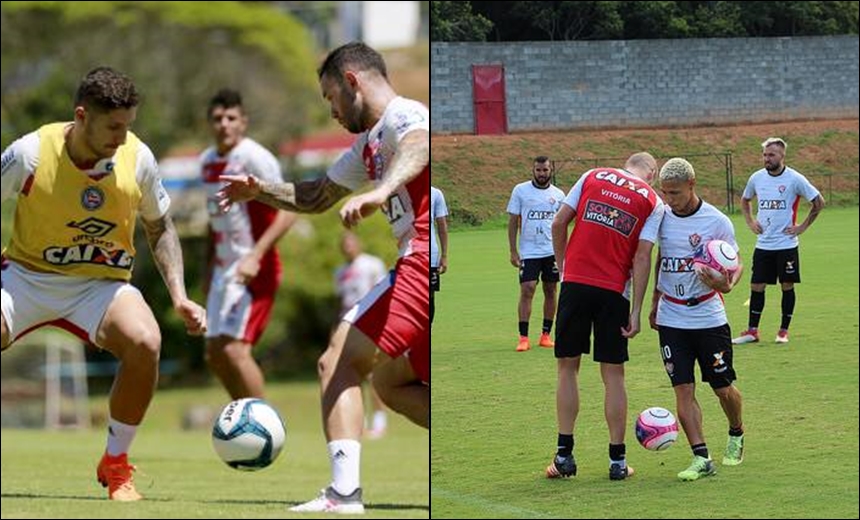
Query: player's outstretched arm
x=313 y=196
x=164 y=243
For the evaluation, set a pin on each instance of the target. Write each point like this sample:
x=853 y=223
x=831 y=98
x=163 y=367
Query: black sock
x=787 y=308
x=617 y=452
x=736 y=432
x=547 y=326
x=756 y=307
x=432 y=308
x=524 y=329
x=700 y=450
x=565 y=445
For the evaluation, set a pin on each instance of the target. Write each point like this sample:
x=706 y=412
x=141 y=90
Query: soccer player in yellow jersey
x=80 y=187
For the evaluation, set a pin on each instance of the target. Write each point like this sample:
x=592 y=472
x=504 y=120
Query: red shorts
x=395 y=314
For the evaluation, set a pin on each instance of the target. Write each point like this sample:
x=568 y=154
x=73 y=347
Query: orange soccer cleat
x=523 y=344
x=546 y=341
x=114 y=473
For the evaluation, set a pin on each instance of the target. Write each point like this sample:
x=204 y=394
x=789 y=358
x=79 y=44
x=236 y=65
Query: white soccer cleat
x=747 y=336
x=330 y=501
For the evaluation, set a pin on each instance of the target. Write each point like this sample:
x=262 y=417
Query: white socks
x=345 y=457
x=120 y=436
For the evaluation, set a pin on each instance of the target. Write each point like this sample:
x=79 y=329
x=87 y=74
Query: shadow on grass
x=285 y=503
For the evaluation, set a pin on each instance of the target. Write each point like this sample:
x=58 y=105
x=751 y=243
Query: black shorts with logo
x=434 y=279
x=581 y=307
x=712 y=348
x=770 y=265
x=545 y=267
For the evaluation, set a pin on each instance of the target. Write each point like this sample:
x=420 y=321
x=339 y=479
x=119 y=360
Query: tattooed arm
x=164 y=243
x=304 y=197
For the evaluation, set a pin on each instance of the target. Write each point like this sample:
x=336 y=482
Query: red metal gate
x=488 y=88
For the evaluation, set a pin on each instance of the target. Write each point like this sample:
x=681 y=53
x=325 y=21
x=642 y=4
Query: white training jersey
x=355 y=279
x=21 y=159
x=537 y=208
x=679 y=236
x=778 y=197
x=235 y=232
x=369 y=159
x=438 y=209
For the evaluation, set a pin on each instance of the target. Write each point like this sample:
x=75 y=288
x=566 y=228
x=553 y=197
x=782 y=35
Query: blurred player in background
x=438 y=250
x=778 y=189
x=393 y=153
x=688 y=312
x=80 y=186
x=353 y=280
x=245 y=268
x=531 y=209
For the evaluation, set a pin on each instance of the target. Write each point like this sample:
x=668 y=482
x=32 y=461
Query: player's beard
x=545 y=183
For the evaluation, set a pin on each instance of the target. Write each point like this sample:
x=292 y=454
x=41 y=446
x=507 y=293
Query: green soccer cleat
x=701 y=467
x=734 y=451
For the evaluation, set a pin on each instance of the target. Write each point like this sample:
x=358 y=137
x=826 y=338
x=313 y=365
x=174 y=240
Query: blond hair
x=677 y=169
x=774 y=140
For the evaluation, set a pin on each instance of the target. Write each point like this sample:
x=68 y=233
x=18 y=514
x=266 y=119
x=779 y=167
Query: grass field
x=494 y=427
x=52 y=475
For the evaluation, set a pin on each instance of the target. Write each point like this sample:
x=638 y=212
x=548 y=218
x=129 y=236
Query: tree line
x=608 y=20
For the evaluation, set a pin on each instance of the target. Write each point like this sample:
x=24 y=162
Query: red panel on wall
x=488 y=89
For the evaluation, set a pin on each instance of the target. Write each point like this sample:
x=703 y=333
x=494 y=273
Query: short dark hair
x=541 y=158
x=353 y=54
x=104 y=89
x=227 y=98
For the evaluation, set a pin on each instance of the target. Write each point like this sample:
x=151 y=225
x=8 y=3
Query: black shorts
x=582 y=306
x=768 y=265
x=545 y=267
x=681 y=348
x=434 y=279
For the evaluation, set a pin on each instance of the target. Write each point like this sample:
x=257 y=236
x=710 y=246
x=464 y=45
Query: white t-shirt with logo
x=408 y=208
x=537 y=208
x=777 y=200
x=679 y=237
x=234 y=231
x=438 y=209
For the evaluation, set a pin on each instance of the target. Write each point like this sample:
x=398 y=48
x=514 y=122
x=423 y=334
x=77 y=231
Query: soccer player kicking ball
x=393 y=151
x=80 y=186
x=688 y=312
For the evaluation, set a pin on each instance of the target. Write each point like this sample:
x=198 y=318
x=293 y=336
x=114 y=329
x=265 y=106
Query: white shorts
x=32 y=300
x=233 y=310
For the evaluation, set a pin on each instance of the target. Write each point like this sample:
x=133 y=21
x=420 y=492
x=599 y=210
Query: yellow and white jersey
x=75 y=222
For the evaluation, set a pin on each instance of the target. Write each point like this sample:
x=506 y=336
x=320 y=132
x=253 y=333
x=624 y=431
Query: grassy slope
x=477 y=173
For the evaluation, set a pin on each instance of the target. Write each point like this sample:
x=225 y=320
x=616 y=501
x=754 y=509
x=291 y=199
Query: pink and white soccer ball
x=656 y=429
x=717 y=255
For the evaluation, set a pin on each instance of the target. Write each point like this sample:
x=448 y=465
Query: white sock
x=345 y=457
x=120 y=436
x=380 y=420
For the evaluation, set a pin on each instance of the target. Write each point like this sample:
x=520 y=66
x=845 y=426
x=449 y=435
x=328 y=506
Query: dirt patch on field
x=477 y=173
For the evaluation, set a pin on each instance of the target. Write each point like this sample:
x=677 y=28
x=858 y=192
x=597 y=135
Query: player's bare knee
x=326 y=363
x=147 y=344
x=527 y=290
